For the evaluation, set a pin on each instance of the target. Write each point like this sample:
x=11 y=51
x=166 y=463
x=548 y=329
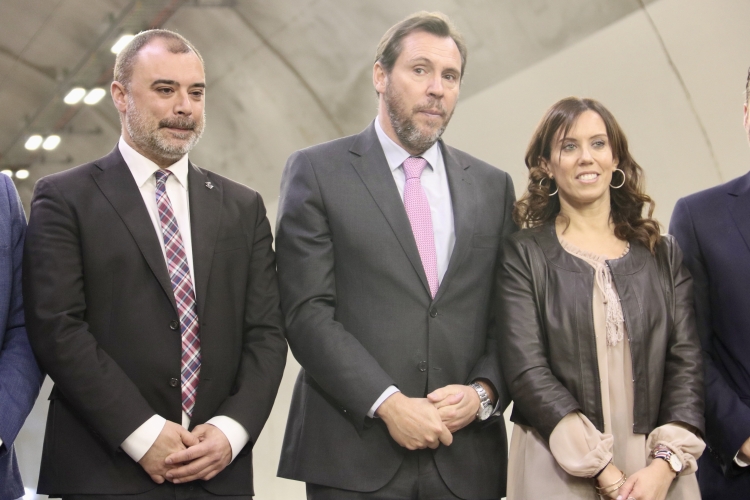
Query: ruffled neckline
x=587 y=255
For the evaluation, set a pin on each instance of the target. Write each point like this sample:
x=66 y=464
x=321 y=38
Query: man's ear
x=379 y=78
x=119 y=96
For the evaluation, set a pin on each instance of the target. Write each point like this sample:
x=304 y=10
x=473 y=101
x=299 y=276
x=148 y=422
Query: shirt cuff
x=390 y=391
x=233 y=430
x=140 y=441
x=737 y=460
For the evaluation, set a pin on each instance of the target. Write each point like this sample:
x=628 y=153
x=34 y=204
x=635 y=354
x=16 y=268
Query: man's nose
x=436 y=87
x=183 y=106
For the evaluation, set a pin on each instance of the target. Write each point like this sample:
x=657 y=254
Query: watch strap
x=484 y=401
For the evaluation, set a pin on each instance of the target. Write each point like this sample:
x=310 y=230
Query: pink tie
x=182 y=285
x=418 y=211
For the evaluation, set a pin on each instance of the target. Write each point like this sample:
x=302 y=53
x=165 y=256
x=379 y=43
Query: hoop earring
x=550 y=181
x=623 y=179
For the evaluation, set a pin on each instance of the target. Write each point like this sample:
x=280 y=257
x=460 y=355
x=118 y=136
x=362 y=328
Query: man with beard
x=386 y=245
x=151 y=300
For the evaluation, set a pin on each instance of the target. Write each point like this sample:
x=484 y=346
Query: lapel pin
x=209 y=185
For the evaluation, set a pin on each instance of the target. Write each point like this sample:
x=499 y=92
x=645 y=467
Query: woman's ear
x=545 y=167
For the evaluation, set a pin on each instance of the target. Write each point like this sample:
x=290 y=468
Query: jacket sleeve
x=727 y=417
x=264 y=347
x=20 y=376
x=488 y=365
x=682 y=392
x=55 y=304
x=537 y=394
x=332 y=356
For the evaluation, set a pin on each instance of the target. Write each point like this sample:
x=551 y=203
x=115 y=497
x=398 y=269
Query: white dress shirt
x=138 y=443
x=434 y=181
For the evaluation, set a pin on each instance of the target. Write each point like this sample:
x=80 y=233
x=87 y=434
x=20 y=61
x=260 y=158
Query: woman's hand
x=649 y=483
x=609 y=476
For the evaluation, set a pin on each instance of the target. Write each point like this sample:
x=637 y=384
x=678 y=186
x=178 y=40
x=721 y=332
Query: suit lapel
x=118 y=186
x=739 y=206
x=205 y=217
x=372 y=167
x=463 y=198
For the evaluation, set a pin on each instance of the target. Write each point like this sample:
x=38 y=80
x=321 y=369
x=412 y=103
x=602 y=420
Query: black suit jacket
x=99 y=304
x=360 y=316
x=713 y=230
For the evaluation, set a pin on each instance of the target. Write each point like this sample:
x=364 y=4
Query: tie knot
x=413 y=167
x=162 y=176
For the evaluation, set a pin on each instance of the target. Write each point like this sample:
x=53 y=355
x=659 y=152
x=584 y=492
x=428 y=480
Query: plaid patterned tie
x=182 y=285
x=418 y=210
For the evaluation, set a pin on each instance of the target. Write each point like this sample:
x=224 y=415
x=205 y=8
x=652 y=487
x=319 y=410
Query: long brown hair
x=537 y=207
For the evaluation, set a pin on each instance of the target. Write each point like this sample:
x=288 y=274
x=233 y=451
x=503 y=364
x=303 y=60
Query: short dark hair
x=435 y=23
x=747 y=87
x=176 y=44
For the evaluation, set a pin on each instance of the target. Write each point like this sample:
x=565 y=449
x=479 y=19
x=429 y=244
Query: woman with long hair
x=599 y=345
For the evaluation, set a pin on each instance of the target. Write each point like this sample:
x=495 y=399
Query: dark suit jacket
x=20 y=377
x=360 y=316
x=99 y=304
x=713 y=230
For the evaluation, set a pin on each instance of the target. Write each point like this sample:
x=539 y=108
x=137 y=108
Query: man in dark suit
x=713 y=230
x=152 y=301
x=386 y=246
x=20 y=377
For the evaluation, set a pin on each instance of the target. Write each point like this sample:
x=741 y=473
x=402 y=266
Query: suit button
x=422 y=366
x=174 y=325
x=173 y=382
x=433 y=312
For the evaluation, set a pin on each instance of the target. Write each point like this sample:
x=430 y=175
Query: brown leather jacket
x=547 y=342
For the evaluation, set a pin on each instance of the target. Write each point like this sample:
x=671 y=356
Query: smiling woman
x=582 y=138
x=600 y=350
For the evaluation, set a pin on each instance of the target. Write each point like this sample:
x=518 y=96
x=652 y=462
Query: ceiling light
x=121 y=43
x=33 y=142
x=22 y=174
x=94 y=96
x=9 y=173
x=51 y=142
x=75 y=95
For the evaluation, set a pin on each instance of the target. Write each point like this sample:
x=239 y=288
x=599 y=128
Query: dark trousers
x=417 y=479
x=164 y=491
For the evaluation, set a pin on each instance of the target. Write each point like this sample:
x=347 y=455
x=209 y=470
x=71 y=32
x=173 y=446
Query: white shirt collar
x=395 y=154
x=143 y=169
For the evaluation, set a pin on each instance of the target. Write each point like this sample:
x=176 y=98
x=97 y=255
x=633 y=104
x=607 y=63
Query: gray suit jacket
x=360 y=316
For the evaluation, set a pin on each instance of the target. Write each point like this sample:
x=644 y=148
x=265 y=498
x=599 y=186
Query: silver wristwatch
x=485 y=405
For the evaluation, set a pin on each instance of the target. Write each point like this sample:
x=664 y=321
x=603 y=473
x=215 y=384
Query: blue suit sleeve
x=727 y=417
x=20 y=376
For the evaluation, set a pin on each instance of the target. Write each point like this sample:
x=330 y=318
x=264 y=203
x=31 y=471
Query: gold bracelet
x=614 y=487
x=602 y=488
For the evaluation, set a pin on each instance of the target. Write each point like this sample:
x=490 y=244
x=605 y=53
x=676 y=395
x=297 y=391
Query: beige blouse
x=577 y=451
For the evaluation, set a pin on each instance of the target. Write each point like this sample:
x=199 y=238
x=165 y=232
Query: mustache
x=432 y=107
x=179 y=123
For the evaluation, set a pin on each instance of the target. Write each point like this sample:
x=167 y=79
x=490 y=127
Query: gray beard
x=416 y=141
x=153 y=143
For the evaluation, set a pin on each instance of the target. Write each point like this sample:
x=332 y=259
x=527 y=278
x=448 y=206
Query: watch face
x=675 y=463
x=485 y=412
